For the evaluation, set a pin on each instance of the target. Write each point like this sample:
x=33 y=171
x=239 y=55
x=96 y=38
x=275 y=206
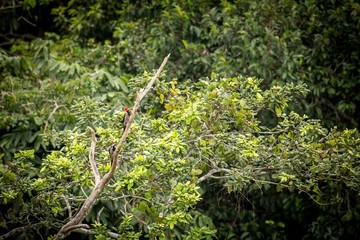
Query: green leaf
x=196 y=172
x=185 y=44
x=278 y=111
x=259 y=96
x=38 y=121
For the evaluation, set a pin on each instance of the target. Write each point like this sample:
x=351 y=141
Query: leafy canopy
x=208 y=132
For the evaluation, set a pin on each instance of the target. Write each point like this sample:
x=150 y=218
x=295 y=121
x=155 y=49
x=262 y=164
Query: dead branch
x=75 y=222
x=139 y=96
x=211 y=173
x=32 y=24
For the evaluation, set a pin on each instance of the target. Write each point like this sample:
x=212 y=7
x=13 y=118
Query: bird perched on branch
x=112 y=149
x=126 y=117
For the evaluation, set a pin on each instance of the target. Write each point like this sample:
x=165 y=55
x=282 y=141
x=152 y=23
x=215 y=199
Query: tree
x=41 y=81
x=207 y=140
x=278 y=41
x=100 y=182
x=209 y=133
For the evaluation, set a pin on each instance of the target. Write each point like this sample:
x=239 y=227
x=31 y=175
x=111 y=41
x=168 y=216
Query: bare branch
x=68 y=206
x=90 y=232
x=139 y=96
x=71 y=228
x=98 y=214
x=211 y=173
x=32 y=24
x=10 y=5
x=157 y=74
x=74 y=223
x=92 y=156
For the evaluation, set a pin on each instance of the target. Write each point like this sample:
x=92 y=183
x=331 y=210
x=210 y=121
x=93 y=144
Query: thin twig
x=32 y=24
x=271 y=133
x=68 y=206
x=83 y=191
x=130 y=196
x=98 y=214
x=11 y=7
x=312 y=198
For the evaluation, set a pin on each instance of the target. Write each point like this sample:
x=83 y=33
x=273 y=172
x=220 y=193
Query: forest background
x=250 y=131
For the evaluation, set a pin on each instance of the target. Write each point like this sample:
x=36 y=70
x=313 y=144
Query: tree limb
x=99 y=185
x=139 y=96
x=211 y=173
x=73 y=227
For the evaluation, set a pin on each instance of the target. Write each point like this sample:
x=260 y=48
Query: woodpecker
x=112 y=149
x=126 y=117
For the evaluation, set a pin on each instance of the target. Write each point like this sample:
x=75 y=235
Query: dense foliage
x=225 y=144
x=279 y=41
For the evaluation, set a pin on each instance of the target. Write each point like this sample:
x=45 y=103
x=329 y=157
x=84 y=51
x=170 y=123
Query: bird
x=126 y=117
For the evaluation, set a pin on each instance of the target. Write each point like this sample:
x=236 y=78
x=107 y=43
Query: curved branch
x=72 y=228
x=211 y=173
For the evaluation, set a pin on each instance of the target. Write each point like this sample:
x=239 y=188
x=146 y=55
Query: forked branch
x=100 y=183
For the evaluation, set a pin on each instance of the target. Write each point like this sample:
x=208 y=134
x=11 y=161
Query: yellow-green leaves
x=186 y=45
x=25 y=154
x=8 y=196
x=259 y=96
x=174 y=218
x=196 y=172
x=285 y=178
x=278 y=111
x=186 y=194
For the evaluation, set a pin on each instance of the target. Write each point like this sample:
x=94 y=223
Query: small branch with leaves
x=100 y=182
